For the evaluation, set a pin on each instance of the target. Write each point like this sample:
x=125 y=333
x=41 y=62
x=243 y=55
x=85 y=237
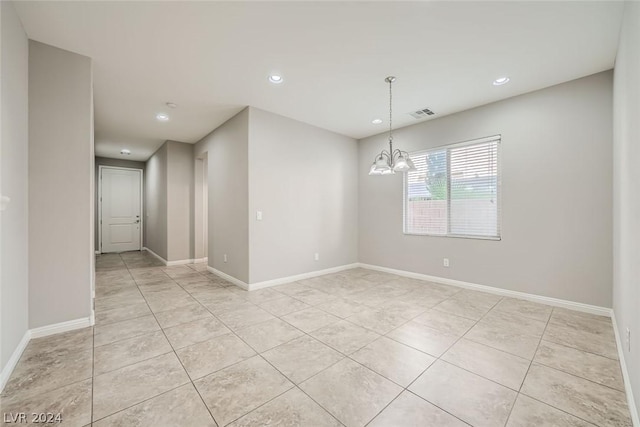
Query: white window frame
x=498 y=139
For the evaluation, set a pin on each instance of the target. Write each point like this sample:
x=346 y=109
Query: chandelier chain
x=390 y=111
x=392 y=161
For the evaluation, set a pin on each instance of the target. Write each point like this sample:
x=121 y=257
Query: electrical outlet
x=225 y=257
x=258 y=215
x=445 y=262
x=316 y=256
x=628 y=339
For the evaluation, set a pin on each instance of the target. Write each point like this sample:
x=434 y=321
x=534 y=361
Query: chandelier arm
x=383 y=153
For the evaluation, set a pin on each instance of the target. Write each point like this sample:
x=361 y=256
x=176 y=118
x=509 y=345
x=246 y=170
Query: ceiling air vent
x=421 y=114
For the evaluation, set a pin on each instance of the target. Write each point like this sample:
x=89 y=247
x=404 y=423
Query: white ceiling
x=213 y=59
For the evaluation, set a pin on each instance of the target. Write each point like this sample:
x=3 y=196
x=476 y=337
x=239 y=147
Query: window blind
x=455 y=190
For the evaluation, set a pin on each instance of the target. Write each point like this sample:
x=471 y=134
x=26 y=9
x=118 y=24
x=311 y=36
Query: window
x=455 y=191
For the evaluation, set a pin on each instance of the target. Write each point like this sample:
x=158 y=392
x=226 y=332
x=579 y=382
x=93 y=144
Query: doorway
x=120 y=209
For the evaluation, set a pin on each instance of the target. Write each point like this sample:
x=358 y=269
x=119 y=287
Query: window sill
x=455 y=236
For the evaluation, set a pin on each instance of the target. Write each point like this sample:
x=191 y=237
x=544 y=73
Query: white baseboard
x=57 y=328
x=280 y=281
x=164 y=261
x=39 y=333
x=231 y=279
x=289 y=279
x=635 y=419
x=593 y=309
x=6 y=372
x=177 y=262
x=199 y=260
x=98 y=252
x=556 y=302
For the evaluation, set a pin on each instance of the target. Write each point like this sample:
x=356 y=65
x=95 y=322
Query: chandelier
x=392 y=161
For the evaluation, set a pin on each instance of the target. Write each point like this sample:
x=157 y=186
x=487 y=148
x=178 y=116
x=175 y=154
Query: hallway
x=180 y=346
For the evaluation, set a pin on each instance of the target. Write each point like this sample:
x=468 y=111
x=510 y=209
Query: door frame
x=100 y=168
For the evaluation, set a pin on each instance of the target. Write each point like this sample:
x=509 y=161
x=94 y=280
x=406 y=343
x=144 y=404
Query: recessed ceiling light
x=275 y=78
x=376 y=121
x=125 y=151
x=162 y=117
x=500 y=81
x=172 y=105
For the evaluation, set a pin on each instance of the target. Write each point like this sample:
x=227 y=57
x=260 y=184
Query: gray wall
x=121 y=163
x=556 y=196
x=168 y=229
x=155 y=205
x=228 y=198
x=61 y=173
x=304 y=179
x=13 y=183
x=180 y=176
x=626 y=201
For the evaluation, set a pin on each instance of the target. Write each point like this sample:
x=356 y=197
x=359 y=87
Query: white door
x=121 y=209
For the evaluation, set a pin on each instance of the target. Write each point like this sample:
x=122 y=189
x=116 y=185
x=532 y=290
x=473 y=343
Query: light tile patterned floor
x=178 y=346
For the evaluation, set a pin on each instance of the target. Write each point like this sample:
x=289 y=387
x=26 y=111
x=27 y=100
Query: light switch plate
x=4 y=201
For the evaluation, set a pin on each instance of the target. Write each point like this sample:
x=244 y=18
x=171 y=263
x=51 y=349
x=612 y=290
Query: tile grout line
x=235 y=363
x=267 y=361
x=136 y=362
x=152 y=397
x=438 y=358
x=93 y=377
x=262 y=357
x=131 y=337
x=578 y=376
x=382 y=335
x=174 y=350
x=442 y=409
x=348 y=356
x=289 y=379
x=553 y=309
x=444 y=361
x=524 y=378
x=190 y=381
x=138 y=403
x=561 y=410
x=579 y=349
x=385 y=335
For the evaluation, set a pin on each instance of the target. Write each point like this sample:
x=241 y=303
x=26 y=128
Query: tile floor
x=178 y=346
